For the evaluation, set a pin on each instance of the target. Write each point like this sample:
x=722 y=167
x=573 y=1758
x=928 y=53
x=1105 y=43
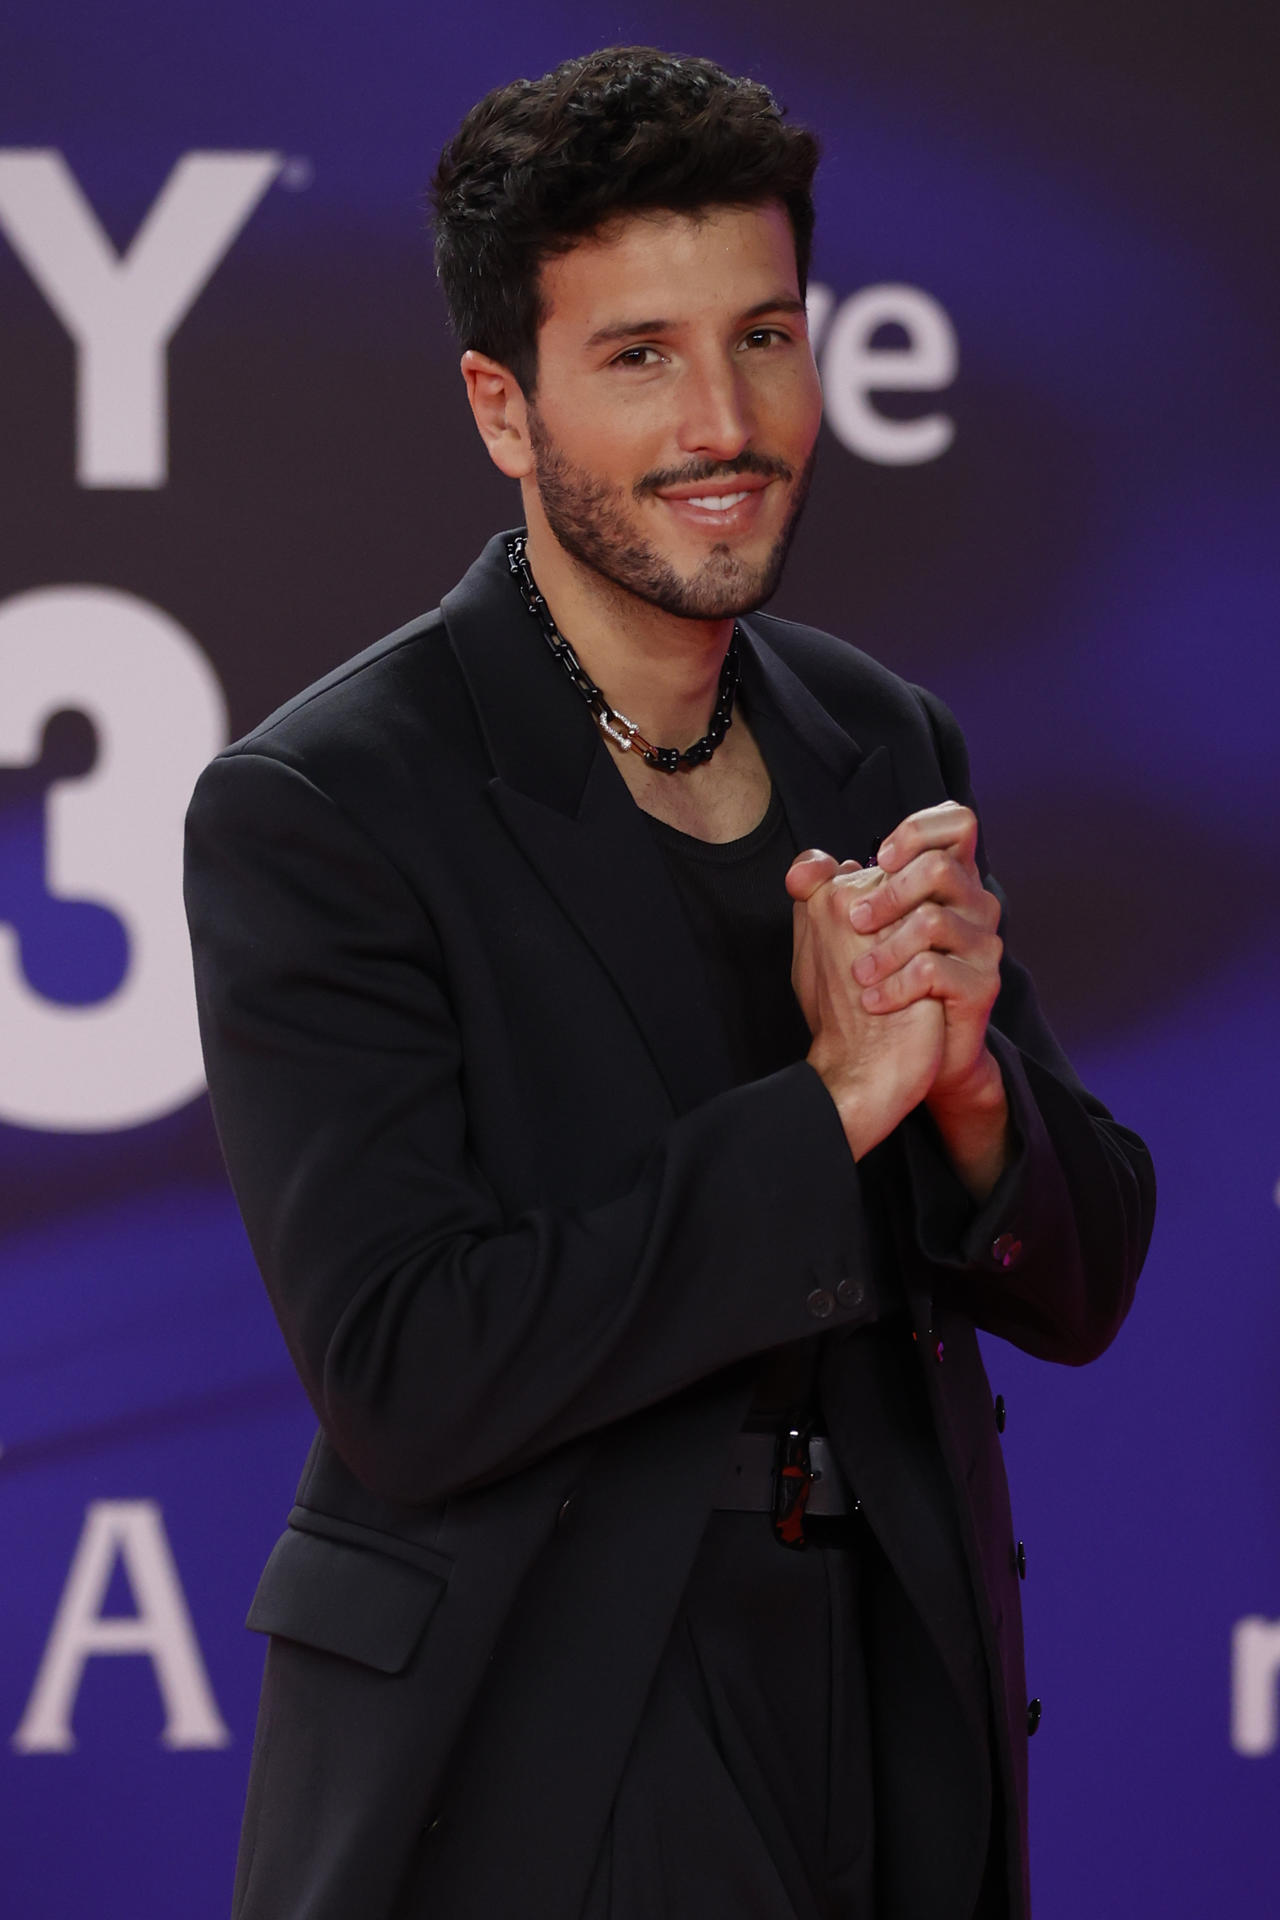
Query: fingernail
x=865 y=969
x=884 y=851
x=861 y=916
x=872 y=996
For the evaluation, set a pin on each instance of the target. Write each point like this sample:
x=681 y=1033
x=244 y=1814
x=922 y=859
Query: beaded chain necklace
x=624 y=733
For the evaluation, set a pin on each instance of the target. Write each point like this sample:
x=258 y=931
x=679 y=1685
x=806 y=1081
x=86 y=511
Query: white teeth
x=716 y=502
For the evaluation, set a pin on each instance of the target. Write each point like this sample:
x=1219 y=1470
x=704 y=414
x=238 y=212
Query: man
x=628 y=1181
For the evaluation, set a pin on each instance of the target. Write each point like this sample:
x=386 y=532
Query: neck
x=658 y=668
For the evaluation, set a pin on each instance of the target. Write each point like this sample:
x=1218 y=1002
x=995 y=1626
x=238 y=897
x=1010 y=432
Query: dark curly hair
x=538 y=165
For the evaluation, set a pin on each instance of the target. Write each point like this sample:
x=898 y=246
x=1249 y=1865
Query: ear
x=501 y=413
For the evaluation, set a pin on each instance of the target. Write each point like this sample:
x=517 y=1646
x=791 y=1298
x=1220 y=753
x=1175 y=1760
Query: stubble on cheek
x=594 y=522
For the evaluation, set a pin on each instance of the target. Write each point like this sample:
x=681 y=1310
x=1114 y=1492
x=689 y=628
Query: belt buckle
x=793 y=1479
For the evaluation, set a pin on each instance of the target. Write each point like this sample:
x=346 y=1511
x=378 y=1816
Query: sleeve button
x=1000 y=1413
x=821 y=1303
x=1033 y=1716
x=1005 y=1249
x=1020 y=1561
x=851 y=1293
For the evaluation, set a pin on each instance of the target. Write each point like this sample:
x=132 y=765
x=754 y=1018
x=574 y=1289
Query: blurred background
x=234 y=449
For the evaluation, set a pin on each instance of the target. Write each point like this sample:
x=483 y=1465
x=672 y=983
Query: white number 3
x=112 y=837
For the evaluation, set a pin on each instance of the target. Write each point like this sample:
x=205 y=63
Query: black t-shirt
x=733 y=894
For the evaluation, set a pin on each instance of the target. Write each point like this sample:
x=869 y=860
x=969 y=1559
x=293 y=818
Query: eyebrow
x=628 y=329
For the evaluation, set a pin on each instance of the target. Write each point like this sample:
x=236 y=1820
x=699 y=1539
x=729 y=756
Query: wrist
x=973 y=1122
x=863 y=1117
x=977 y=1094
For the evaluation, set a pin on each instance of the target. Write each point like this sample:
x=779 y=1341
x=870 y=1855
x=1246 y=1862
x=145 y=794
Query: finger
x=930 y=927
x=946 y=825
x=809 y=871
x=846 y=890
x=943 y=874
x=935 y=976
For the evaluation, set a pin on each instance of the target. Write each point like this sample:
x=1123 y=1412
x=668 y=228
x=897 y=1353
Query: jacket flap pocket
x=345 y=1599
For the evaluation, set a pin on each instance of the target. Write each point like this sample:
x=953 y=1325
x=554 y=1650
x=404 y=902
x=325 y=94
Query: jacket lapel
x=838 y=795
x=569 y=810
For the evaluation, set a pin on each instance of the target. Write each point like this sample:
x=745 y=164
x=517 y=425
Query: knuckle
x=967 y=820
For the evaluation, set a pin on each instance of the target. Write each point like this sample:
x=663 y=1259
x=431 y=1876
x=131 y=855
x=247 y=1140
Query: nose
x=715 y=417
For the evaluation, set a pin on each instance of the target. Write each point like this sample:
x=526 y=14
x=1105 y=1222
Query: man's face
x=677 y=406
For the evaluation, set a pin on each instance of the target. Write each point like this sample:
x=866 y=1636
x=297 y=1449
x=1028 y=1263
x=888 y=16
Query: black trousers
x=749 y=1791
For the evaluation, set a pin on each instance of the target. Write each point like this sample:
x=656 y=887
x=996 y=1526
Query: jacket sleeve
x=1051 y=1259
x=441 y=1343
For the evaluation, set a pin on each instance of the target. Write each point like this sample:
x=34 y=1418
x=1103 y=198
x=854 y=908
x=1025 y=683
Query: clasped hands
x=896 y=968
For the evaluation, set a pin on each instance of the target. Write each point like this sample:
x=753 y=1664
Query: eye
x=636 y=357
x=765 y=337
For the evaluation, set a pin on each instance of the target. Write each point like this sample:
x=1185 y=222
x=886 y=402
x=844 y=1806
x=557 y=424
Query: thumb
x=809 y=871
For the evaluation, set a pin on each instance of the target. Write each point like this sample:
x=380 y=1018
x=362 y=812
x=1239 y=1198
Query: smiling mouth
x=717 y=502
x=721 y=486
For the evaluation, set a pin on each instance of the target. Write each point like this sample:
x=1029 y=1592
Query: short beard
x=589 y=520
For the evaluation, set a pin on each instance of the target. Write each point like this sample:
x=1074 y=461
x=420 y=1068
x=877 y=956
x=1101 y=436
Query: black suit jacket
x=526 y=1243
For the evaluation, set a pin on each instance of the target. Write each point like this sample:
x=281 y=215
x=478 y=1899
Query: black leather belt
x=788 y=1475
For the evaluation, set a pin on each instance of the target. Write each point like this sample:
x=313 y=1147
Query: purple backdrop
x=232 y=423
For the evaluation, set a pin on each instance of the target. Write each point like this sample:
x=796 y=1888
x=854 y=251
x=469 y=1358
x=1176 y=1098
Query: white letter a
x=132 y=1531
